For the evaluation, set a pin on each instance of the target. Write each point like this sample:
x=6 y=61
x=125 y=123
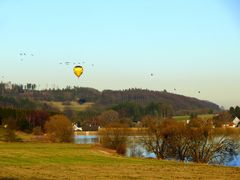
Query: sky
x=187 y=45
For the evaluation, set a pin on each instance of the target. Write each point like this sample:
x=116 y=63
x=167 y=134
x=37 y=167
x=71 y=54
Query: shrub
x=114 y=137
x=59 y=129
x=37 y=131
x=10 y=136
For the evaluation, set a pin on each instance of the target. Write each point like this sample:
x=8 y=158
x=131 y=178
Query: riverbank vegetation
x=196 y=141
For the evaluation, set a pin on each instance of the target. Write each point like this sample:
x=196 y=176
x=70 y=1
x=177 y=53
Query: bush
x=59 y=129
x=37 y=131
x=10 y=136
x=114 y=137
x=121 y=148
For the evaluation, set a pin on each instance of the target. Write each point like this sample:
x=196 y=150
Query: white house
x=76 y=128
x=236 y=122
x=8 y=86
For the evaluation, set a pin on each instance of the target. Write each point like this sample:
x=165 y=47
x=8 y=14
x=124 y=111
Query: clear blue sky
x=188 y=45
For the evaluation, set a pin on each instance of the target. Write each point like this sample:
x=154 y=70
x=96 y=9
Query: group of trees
x=58 y=128
x=125 y=113
x=196 y=141
x=23 y=120
x=136 y=112
x=235 y=112
x=22 y=103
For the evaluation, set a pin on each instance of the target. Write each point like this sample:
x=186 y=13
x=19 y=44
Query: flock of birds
x=73 y=63
x=23 y=55
x=67 y=63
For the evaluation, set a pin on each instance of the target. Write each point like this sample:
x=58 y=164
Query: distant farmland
x=75 y=106
x=202 y=116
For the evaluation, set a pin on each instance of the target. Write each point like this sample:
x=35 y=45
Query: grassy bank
x=70 y=161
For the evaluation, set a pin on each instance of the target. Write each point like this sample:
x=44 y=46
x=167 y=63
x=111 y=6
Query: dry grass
x=69 y=161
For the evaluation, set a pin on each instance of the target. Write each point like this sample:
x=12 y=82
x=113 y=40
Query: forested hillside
x=106 y=98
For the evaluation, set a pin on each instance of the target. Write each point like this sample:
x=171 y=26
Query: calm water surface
x=136 y=149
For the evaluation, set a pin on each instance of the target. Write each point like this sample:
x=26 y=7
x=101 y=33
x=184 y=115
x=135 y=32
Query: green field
x=73 y=105
x=70 y=161
x=202 y=116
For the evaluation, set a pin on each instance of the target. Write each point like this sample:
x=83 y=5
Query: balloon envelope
x=78 y=70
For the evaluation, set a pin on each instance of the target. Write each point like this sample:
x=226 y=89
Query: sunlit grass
x=202 y=116
x=70 y=161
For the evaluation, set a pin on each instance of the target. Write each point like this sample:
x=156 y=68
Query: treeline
x=235 y=112
x=23 y=120
x=12 y=102
x=52 y=94
x=24 y=103
x=134 y=115
x=126 y=113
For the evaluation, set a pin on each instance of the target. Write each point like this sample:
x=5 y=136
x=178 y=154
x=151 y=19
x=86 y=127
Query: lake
x=135 y=149
x=86 y=139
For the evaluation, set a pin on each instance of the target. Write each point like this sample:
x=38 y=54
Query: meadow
x=74 y=106
x=202 y=116
x=72 y=161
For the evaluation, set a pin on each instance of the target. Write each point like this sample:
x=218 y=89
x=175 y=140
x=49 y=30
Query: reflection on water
x=136 y=149
x=139 y=151
x=86 y=139
x=235 y=162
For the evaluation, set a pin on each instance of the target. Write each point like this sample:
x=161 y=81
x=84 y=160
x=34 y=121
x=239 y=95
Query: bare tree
x=209 y=147
x=178 y=140
x=195 y=142
x=114 y=137
x=155 y=140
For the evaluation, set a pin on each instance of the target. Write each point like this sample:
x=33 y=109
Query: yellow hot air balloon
x=78 y=70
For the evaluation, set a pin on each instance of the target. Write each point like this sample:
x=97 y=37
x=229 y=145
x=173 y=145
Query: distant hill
x=109 y=98
x=143 y=97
